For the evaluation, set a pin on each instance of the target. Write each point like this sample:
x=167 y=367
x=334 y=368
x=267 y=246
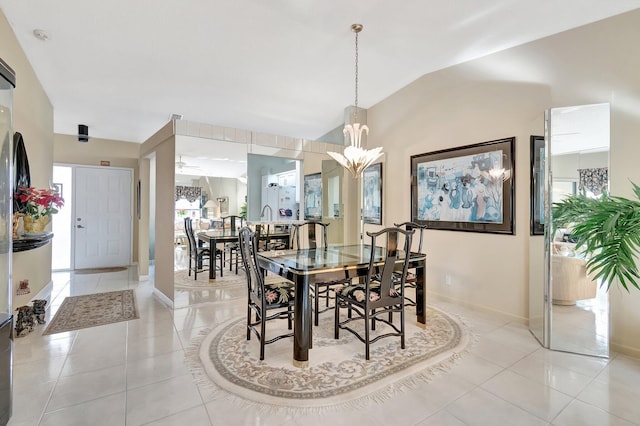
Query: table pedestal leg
x=301 y=323
x=420 y=294
x=212 y=260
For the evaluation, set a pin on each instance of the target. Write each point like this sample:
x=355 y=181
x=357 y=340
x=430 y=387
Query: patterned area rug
x=338 y=375
x=99 y=270
x=91 y=310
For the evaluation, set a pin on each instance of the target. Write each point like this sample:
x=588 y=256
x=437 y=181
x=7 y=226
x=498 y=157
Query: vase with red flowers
x=37 y=206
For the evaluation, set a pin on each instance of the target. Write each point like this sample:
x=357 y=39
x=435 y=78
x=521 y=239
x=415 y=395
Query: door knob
x=80 y=226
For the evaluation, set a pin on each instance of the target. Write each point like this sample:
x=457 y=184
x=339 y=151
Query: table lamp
x=210 y=205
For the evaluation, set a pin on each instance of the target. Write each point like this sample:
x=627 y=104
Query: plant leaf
x=607 y=229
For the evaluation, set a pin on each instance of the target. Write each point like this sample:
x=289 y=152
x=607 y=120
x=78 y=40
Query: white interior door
x=103 y=217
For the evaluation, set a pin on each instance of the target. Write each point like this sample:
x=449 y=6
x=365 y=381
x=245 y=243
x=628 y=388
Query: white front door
x=103 y=217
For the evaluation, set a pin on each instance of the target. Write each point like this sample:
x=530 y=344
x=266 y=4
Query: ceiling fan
x=180 y=165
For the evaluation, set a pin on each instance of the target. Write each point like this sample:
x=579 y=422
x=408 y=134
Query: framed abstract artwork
x=313 y=196
x=468 y=188
x=372 y=181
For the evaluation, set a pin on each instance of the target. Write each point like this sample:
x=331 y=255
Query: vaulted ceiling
x=284 y=66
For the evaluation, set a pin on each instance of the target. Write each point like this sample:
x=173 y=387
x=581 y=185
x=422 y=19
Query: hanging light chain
x=356 y=28
x=356 y=77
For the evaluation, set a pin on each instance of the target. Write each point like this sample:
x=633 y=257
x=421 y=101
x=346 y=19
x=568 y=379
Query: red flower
x=39 y=202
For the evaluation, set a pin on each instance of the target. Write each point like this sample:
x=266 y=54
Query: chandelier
x=356 y=158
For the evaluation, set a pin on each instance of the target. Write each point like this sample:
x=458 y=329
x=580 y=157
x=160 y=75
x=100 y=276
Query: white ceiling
x=580 y=129
x=282 y=66
x=209 y=158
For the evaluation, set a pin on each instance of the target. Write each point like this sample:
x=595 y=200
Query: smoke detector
x=41 y=34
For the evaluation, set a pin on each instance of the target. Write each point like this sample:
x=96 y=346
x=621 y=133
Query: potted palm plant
x=607 y=229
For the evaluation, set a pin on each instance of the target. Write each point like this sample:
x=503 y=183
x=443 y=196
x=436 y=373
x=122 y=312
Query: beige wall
x=144 y=224
x=67 y=150
x=33 y=117
x=625 y=131
x=504 y=95
x=157 y=155
x=164 y=220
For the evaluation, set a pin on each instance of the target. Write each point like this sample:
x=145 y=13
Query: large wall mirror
x=215 y=163
x=333 y=200
x=218 y=171
x=569 y=310
x=274 y=188
x=264 y=183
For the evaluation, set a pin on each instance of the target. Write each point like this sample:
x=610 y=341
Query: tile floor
x=134 y=373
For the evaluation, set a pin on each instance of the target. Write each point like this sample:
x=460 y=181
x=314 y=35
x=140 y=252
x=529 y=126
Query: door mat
x=92 y=310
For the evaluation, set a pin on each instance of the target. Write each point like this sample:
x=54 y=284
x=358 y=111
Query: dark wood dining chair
x=265 y=301
x=198 y=256
x=231 y=256
x=378 y=297
x=410 y=279
x=313 y=235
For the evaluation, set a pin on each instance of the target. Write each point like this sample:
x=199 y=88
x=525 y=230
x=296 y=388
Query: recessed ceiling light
x=41 y=34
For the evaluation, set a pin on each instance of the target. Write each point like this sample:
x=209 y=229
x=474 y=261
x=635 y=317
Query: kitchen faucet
x=267 y=206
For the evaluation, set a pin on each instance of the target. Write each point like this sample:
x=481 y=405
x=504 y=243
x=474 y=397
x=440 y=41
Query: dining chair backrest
x=310 y=234
x=394 y=249
x=188 y=229
x=232 y=222
x=248 y=244
x=411 y=226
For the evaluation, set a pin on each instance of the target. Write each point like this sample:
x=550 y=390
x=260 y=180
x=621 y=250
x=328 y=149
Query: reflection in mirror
x=229 y=175
x=334 y=208
x=274 y=188
x=21 y=173
x=213 y=177
x=332 y=178
x=579 y=161
x=218 y=170
x=538 y=311
x=6 y=195
x=312 y=199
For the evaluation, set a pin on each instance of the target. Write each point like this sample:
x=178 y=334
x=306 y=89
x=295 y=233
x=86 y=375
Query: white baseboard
x=45 y=292
x=482 y=308
x=625 y=350
x=140 y=277
x=163 y=298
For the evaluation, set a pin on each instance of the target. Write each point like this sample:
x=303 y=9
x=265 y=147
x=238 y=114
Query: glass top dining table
x=214 y=237
x=307 y=266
